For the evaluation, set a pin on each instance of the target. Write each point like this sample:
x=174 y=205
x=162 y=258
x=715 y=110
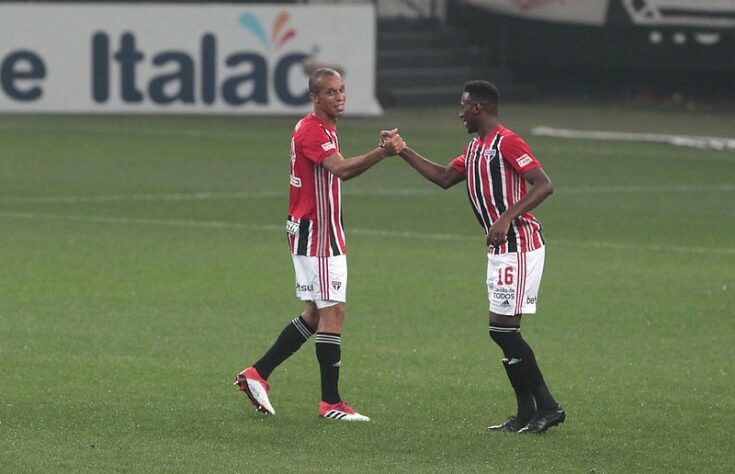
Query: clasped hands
x=391 y=142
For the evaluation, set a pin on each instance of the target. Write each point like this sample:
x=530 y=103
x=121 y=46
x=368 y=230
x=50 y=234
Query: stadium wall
x=181 y=58
x=608 y=46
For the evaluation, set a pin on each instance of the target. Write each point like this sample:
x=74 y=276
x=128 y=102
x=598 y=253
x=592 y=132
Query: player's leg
x=548 y=412
x=513 y=282
x=504 y=325
x=523 y=371
x=505 y=331
x=290 y=340
x=298 y=331
x=252 y=380
x=328 y=344
x=328 y=340
x=525 y=377
x=311 y=315
x=329 y=353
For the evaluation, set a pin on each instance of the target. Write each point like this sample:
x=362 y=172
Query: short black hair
x=318 y=74
x=482 y=92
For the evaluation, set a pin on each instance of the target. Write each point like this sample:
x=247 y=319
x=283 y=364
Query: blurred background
x=675 y=50
x=419 y=52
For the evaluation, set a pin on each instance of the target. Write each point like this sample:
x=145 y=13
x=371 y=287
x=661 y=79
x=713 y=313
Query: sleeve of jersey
x=517 y=154
x=317 y=144
x=459 y=163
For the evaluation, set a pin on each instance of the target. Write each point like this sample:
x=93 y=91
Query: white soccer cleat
x=340 y=411
x=256 y=388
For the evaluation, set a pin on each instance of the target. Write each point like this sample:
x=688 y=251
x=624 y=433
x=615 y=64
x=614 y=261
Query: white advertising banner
x=589 y=12
x=210 y=59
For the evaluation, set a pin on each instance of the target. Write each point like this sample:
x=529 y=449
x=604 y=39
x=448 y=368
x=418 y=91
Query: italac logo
x=278 y=37
x=256 y=74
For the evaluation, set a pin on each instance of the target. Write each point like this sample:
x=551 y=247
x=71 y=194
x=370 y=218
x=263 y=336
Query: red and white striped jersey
x=314 y=225
x=494 y=168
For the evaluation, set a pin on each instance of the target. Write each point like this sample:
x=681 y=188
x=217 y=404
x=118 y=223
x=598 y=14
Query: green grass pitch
x=144 y=263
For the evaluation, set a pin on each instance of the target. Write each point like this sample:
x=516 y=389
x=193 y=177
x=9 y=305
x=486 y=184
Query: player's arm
x=346 y=168
x=444 y=176
x=541 y=188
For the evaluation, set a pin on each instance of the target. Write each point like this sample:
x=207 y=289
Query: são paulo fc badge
x=490 y=153
x=336 y=285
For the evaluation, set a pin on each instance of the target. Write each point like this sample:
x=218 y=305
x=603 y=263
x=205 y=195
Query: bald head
x=316 y=76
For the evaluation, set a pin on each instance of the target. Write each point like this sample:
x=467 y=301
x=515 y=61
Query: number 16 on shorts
x=513 y=281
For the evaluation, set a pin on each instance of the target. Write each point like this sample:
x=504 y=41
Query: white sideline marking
x=125 y=130
x=140 y=197
x=367 y=232
x=142 y=221
x=704 y=143
x=673 y=188
x=203 y=196
x=701 y=142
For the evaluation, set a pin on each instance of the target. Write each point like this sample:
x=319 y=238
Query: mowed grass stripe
x=357 y=231
x=202 y=196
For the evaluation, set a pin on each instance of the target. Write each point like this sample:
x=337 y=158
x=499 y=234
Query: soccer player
x=504 y=182
x=317 y=241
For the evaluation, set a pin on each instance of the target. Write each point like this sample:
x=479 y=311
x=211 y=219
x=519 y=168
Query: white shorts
x=322 y=280
x=513 y=280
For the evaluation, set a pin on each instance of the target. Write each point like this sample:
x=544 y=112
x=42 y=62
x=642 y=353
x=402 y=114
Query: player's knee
x=339 y=314
x=311 y=316
x=505 y=320
x=502 y=328
x=312 y=323
x=332 y=318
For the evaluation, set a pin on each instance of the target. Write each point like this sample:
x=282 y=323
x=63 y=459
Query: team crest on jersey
x=524 y=160
x=490 y=154
x=336 y=285
x=329 y=146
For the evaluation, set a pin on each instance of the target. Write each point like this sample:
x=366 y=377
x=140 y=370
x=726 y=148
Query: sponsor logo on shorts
x=524 y=160
x=503 y=293
x=503 y=296
x=336 y=285
x=530 y=300
x=304 y=287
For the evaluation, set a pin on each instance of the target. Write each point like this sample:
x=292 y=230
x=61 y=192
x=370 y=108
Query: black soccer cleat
x=544 y=419
x=511 y=426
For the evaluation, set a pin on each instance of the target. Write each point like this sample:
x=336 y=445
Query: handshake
x=391 y=142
